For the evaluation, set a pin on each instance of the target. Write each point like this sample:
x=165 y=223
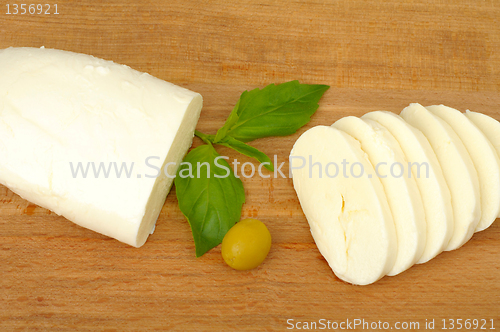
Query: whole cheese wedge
x=349 y=216
x=89 y=139
x=429 y=178
x=458 y=171
x=484 y=157
x=402 y=192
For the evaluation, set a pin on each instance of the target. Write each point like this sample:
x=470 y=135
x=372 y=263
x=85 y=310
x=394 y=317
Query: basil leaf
x=211 y=202
x=231 y=120
x=248 y=150
x=276 y=110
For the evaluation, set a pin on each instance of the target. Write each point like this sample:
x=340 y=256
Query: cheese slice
x=349 y=217
x=63 y=113
x=429 y=178
x=484 y=157
x=402 y=192
x=489 y=126
x=458 y=171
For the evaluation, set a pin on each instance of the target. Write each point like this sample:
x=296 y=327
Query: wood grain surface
x=56 y=276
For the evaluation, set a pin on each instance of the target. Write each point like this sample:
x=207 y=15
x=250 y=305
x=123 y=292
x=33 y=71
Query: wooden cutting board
x=56 y=276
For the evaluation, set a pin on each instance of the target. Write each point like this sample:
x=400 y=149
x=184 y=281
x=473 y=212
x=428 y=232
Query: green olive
x=246 y=244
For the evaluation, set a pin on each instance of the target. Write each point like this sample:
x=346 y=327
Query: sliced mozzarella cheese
x=349 y=217
x=458 y=171
x=59 y=109
x=402 y=192
x=429 y=178
x=489 y=126
x=484 y=158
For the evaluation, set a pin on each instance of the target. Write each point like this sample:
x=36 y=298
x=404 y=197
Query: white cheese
x=429 y=178
x=458 y=171
x=489 y=126
x=59 y=109
x=484 y=157
x=349 y=217
x=402 y=192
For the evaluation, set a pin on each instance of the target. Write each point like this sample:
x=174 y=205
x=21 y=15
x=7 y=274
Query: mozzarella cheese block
x=349 y=217
x=87 y=138
x=489 y=126
x=402 y=192
x=458 y=171
x=429 y=178
x=484 y=157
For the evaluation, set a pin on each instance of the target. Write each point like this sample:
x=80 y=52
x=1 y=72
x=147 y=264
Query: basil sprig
x=208 y=192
